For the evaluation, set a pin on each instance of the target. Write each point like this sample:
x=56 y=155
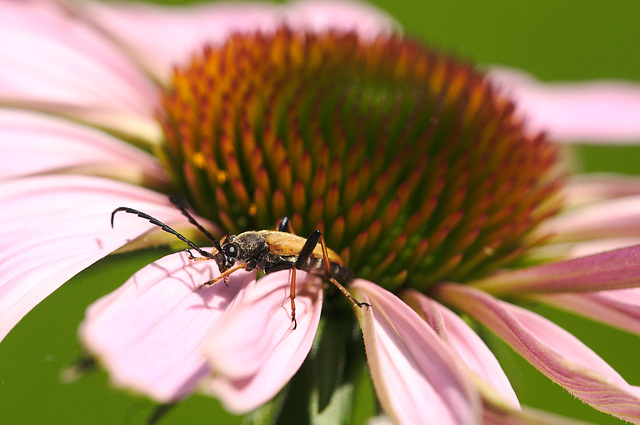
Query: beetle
x=266 y=250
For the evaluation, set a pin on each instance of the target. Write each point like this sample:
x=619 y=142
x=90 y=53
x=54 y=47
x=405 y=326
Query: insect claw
x=294 y=322
x=207 y=284
x=213 y=281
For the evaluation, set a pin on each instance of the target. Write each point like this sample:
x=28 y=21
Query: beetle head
x=246 y=249
x=228 y=254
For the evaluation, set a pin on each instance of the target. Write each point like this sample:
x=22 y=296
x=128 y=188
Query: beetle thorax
x=250 y=246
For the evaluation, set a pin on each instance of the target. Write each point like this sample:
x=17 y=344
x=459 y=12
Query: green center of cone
x=411 y=164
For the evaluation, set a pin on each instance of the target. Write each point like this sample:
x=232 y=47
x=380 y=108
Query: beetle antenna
x=181 y=205
x=164 y=227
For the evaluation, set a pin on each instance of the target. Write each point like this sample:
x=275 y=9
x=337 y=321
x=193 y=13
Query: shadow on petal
x=253 y=350
x=149 y=332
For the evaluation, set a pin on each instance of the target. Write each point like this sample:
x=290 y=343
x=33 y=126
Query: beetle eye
x=230 y=251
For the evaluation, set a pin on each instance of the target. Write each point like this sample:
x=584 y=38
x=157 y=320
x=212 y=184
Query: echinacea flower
x=441 y=197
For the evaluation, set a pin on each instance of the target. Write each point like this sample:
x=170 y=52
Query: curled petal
x=589 y=111
x=253 y=350
x=149 y=332
x=71 y=70
x=33 y=143
x=620 y=308
x=552 y=350
x=417 y=377
x=186 y=28
x=467 y=344
x=52 y=227
x=616 y=269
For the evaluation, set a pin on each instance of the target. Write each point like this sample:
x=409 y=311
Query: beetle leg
x=328 y=274
x=224 y=276
x=292 y=291
x=347 y=294
x=292 y=297
x=308 y=248
x=325 y=259
x=285 y=226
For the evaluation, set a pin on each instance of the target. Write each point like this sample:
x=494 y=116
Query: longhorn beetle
x=266 y=250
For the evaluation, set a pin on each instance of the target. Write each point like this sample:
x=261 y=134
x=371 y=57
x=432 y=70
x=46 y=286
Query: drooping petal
x=467 y=344
x=493 y=414
x=322 y=15
x=380 y=420
x=616 y=269
x=176 y=30
x=618 y=217
x=149 y=332
x=417 y=377
x=571 y=250
x=32 y=143
x=56 y=63
x=597 y=111
x=253 y=349
x=620 y=308
x=184 y=29
x=52 y=227
x=552 y=350
x=595 y=187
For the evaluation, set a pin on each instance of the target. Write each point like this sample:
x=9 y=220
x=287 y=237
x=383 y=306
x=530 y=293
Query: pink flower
x=83 y=135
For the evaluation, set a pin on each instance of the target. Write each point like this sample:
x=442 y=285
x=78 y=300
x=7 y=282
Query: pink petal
x=467 y=344
x=596 y=187
x=165 y=36
x=551 y=349
x=149 y=332
x=346 y=15
x=619 y=217
x=591 y=111
x=52 y=227
x=33 y=143
x=571 y=250
x=616 y=269
x=57 y=63
x=493 y=414
x=417 y=377
x=253 y=349
x=620 y=308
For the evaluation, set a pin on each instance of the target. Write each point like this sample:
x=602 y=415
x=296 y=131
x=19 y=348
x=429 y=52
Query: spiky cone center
x=411 y=164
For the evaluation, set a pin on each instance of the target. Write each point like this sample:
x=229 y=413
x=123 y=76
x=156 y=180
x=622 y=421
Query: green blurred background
x=554 y=40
